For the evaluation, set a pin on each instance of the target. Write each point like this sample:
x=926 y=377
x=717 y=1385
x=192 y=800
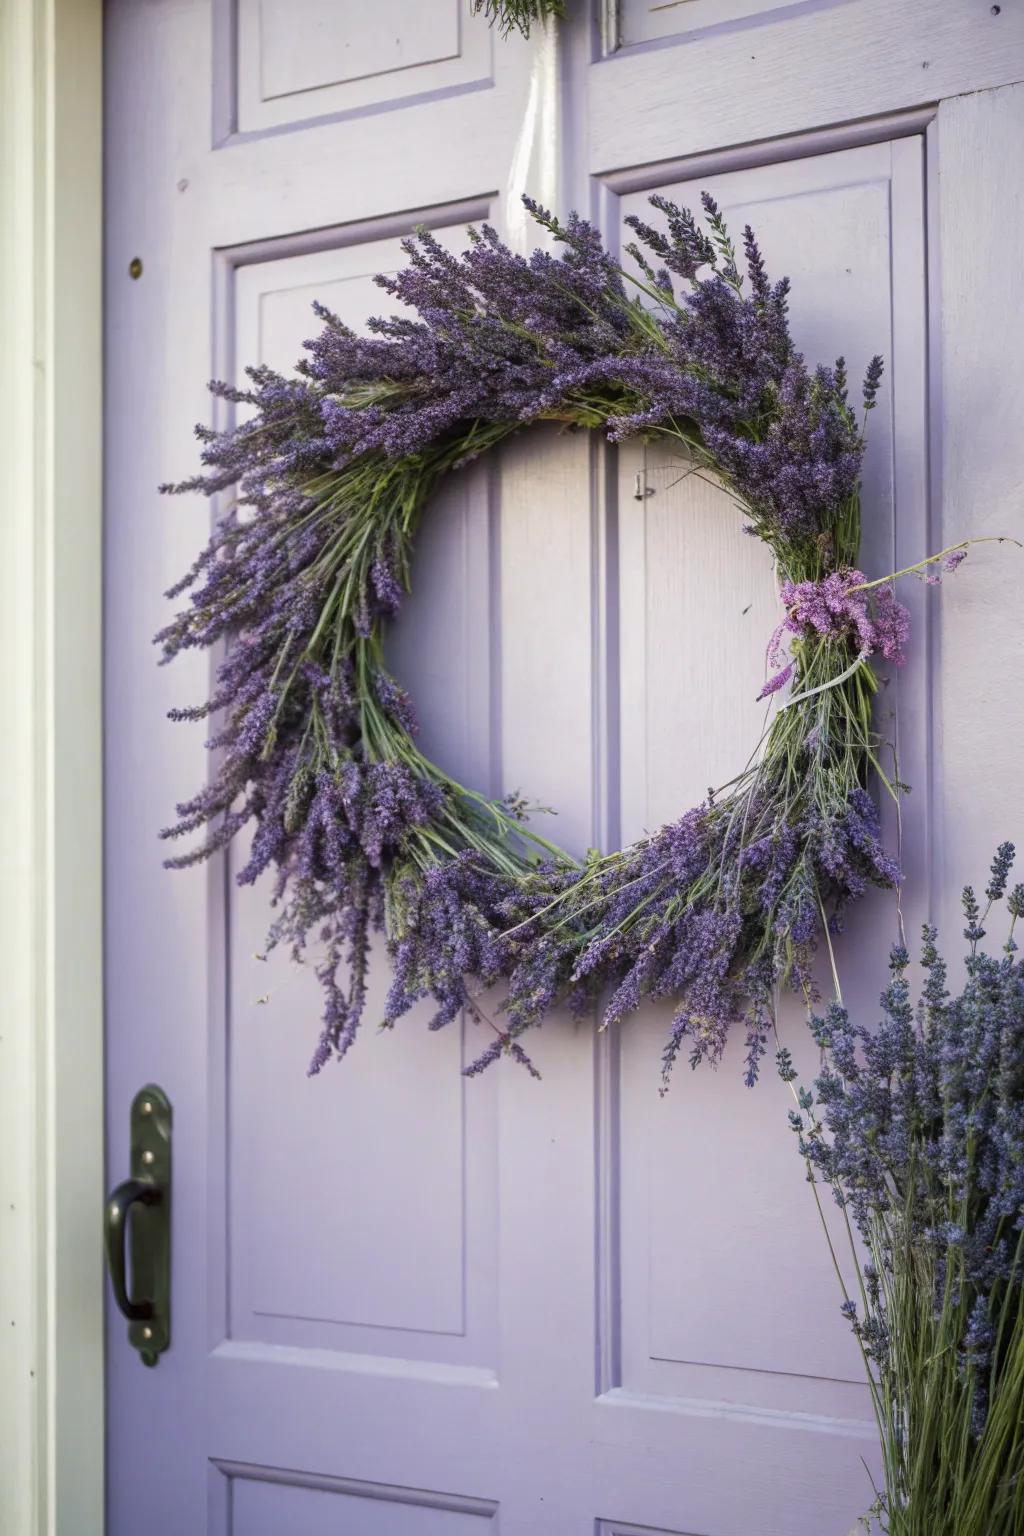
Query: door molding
x=775 y=151
x=51 y=1039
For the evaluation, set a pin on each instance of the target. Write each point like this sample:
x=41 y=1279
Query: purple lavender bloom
x=775 y=683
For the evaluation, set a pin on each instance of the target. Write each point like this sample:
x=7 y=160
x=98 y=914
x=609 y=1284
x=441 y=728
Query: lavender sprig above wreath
x=517 y=15
x=316 y=748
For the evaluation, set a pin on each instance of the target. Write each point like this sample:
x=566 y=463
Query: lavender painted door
x=403 y=1303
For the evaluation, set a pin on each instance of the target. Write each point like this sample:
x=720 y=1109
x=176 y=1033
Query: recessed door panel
x=294 y=60
x=362 y=1203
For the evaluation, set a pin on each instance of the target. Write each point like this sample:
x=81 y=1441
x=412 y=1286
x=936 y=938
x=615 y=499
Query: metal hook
x=641 y=489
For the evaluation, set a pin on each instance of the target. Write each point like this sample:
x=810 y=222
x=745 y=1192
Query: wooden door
x=406 y=1303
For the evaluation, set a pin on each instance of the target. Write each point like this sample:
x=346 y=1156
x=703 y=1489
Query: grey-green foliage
x=518 y=15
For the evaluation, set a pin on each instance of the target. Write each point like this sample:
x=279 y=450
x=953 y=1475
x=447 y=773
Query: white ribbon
x=534 y=167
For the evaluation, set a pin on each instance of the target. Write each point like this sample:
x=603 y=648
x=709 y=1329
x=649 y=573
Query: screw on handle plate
x=137 y=1225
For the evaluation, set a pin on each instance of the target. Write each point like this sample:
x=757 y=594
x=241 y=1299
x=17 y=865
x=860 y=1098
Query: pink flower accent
x=949 y=564
x=838 y=607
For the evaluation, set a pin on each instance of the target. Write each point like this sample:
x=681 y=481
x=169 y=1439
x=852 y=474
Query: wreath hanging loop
x=316 y=741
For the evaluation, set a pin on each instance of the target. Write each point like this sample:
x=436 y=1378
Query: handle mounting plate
x=146 y=1232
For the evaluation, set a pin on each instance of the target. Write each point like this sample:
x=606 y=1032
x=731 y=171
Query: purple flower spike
x=775 y=683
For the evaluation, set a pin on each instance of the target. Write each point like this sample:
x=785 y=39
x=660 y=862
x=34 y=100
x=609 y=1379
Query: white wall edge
x=51 y=939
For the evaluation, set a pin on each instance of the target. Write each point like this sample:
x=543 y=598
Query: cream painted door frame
x=51 y=1038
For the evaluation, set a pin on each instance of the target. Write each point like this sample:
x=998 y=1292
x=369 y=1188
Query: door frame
x=51 y=929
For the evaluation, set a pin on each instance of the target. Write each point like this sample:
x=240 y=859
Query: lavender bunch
x=517 y=15
x=315 y=741
x=917 y=1126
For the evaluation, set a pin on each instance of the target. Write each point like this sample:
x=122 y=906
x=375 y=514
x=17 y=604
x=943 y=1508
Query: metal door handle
x=116 y=1229
x=146 y=1197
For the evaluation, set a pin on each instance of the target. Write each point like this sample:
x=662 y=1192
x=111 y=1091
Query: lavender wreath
x=316 y=747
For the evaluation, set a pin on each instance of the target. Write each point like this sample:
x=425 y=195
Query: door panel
x=334 y=1253
x=740 y=1242
x=266 y=1503
x=616 y=1528
x=363 y=1219
x=404 y=1302
x=299 y=59
x=804 y=68
x=644 y=21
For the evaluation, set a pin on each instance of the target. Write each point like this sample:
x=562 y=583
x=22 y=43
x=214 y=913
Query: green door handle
x=137 y=1225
